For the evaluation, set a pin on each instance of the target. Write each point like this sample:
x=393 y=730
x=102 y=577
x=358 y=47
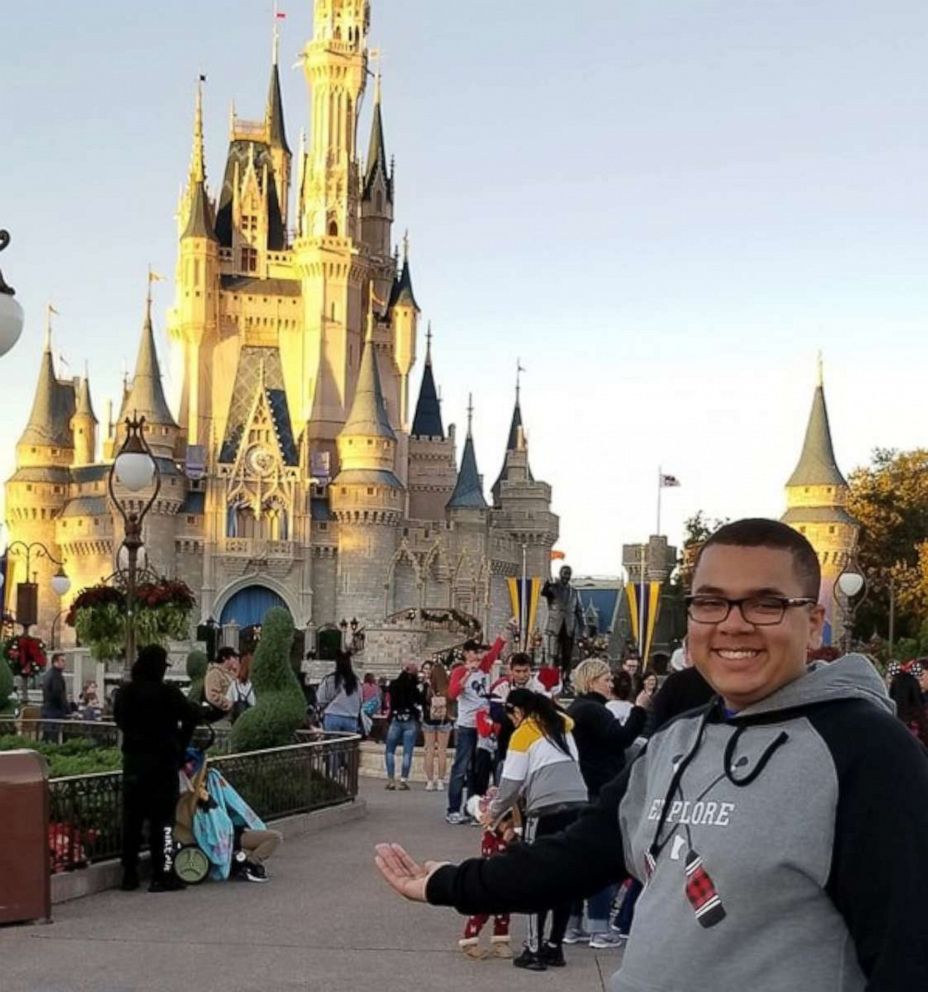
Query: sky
x=664 y=208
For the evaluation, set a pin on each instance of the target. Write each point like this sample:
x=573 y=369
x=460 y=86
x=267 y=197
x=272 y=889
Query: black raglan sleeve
x=880 y=858
x=527 y=878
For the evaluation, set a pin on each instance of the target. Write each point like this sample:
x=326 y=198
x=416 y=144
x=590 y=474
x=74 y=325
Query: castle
x=296 y=471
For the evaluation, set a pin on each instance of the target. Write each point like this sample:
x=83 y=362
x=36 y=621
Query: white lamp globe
x=122 y=558
x=61 y=584
x=135 y=470
x=11 y=322
x=2 y=579
x=850 y=583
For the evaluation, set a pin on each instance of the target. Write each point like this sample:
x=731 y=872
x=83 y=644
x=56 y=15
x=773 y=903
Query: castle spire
x=516 y=439
x=468 y=491
x=274 y=112
x=368 y=416
x=146 y=395
x=817 y=464
x=427 y=421
x=84 y=405
x=376 y=164
x=402 y=293
x=52 y=407
x=200 y=215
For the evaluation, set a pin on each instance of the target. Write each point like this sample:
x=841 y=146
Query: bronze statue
x=565 y=620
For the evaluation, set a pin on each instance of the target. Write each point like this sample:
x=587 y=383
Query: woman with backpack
x=241 y=691
x=437 y=721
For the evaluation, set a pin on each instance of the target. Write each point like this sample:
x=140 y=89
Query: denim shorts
x=437 y=728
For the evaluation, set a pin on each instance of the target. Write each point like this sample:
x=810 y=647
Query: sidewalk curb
x=108 y=874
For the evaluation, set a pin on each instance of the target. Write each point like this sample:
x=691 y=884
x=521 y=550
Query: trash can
x=25 y=883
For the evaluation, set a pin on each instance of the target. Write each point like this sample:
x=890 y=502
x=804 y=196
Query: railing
x=85 y=823
x=100 y=732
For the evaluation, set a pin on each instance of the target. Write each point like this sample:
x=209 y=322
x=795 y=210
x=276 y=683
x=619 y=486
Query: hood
x=850 y=677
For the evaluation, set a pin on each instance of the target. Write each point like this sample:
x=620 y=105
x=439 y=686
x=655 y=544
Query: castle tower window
x=249 y=259
x=333 y=229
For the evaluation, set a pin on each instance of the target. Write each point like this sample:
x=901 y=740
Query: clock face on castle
x=259 y=460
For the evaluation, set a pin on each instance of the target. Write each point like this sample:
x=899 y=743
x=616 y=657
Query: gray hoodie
x=783 y=848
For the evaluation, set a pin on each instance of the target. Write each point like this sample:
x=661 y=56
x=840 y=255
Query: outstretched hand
x=402 y=873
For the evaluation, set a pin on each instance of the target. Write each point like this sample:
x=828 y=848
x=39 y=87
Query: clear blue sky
x=665 y=207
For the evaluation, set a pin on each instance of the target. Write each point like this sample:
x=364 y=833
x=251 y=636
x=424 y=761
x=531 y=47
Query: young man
x=779 y=830
x=468 y=687
x=55 y=705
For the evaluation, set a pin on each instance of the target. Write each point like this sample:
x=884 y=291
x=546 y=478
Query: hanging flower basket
x=99 y=615
x=25 y=655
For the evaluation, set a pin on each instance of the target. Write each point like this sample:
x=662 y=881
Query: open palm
x=402 y=873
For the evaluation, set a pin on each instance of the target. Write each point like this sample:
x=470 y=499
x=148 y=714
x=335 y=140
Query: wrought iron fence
x=85 y=823
x=99 y=732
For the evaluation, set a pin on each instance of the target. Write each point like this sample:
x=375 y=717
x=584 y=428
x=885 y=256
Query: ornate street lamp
x=11 y=313
x=135 y=469
x=850 y=590
x=27 y=593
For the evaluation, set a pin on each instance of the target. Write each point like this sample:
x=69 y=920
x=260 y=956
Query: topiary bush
x=279 y=708
x=7 y=700
x=197 y=663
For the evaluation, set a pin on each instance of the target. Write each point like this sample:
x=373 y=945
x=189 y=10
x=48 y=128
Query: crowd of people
x=771 y=833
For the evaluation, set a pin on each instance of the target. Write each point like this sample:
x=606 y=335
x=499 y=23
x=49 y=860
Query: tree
x=197 y=663
x=280 y=707
x=890 y=500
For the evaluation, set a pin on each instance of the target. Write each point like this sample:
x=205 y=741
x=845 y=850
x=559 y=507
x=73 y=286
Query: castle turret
x=37 y=491
x=84 y=425
x=366 y=497
x=817 y=496
x=432 y=470
x=467 y=498
x=404 y=323
x=516 y=431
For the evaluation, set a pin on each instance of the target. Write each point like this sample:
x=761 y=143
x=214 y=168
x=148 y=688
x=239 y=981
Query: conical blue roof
x=368 y=416
x=468 y=491
x=427 y=420
x=817 y=464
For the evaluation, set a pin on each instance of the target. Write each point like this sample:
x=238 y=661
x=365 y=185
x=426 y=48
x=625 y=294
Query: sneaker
x=615 y=928
x=403 y=786
x=430 y=786
x=603 y=941
x=457 y=819
x=576 y=935
x=500 y=947
x=254 y=873
x=170 y=883
x=552 y=955
x=390 y=786
x=530 y=960
x=440 y=785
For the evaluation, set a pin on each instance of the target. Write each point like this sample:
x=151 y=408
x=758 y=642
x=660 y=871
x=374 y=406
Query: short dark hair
x=471 y=644
x=520 y=658
x=226 y=652
x=759 y=532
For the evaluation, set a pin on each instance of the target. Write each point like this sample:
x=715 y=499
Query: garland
x=25 y=655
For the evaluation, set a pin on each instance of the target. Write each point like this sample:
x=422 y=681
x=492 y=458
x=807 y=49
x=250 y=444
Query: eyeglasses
x=761 y=611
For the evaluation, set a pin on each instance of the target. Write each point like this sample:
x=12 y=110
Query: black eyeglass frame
x=785 y=603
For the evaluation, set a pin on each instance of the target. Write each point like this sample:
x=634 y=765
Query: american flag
x=669 y=481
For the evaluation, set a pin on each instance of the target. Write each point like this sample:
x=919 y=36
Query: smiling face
x=745 y=663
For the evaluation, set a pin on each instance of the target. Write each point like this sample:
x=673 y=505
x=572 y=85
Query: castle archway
x=247 y=600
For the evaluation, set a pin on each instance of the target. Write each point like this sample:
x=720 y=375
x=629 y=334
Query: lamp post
x=11 y=313
x=27 y=593
x=850 y=589
x=135 y=469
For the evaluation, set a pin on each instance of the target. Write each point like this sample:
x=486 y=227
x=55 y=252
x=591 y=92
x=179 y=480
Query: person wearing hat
x=157 y=723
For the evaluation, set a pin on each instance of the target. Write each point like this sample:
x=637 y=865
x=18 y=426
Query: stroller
x=209 y=819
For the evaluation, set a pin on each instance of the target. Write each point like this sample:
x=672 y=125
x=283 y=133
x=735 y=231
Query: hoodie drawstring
x=780 y=740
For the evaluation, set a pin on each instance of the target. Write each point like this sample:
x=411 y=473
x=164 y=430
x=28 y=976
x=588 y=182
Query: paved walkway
x=326 y=923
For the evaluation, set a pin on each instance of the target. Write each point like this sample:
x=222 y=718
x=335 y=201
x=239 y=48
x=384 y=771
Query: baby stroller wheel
x=191 y=865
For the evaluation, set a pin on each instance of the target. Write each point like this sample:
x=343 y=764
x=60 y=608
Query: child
x=492 y=842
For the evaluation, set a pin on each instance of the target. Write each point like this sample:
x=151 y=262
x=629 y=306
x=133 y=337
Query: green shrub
x=79 y=756
x=197 y=663
x=7 y=702
x=280 y=707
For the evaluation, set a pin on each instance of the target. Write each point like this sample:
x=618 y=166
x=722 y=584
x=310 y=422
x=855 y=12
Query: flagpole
x=523 y=619
x=660 y=479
